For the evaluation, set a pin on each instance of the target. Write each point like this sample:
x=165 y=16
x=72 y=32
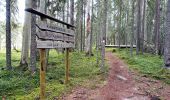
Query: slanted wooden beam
x=33 y=11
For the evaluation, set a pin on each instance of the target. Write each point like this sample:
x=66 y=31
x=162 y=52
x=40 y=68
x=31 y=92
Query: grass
x=20 y=85
x=148 y=64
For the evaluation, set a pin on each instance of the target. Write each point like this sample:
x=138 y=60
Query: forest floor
x=122 y=84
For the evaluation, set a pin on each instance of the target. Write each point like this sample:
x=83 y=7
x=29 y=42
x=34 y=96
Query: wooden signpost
x=51 y=37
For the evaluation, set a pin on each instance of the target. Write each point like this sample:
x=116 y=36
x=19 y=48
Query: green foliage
x=21 y=85
x=15 y=58
x=149 y=65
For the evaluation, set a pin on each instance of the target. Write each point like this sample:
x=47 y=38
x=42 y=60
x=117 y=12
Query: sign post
x=67 y=66
x=52 y=37
x=42 y=73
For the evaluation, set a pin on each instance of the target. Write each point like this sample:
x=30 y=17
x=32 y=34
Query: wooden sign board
x=54 y=37
x=51 y=36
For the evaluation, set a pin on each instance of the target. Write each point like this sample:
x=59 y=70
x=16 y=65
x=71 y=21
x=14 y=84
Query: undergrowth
x=147 y=64
x=20 y=85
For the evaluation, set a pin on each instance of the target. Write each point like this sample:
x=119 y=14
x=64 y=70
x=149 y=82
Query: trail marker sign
x=50 y=36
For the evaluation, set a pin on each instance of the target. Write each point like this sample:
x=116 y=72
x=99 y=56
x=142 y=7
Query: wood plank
x=58 y=37
x=66 y=45
x=71 y=39
x=57 y=44
x=53 y=44
x=72 y=45
x=66 y=38
x=44 y=44
x=56 y=29
x=46 y=35
x=121 y=46
x=69 y=45
x=31 y=10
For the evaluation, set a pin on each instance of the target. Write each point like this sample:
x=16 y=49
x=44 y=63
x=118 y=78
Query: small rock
x=121 y=77
x=155 y=98
x=55 y=98
x=61 y=81
x=122 y=66
x=37 y=98
x=3 y=97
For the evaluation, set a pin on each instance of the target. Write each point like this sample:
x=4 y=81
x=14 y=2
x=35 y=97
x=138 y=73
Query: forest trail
x=122 y=84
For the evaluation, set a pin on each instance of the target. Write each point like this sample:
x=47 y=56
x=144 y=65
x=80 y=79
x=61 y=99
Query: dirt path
x=123 y=84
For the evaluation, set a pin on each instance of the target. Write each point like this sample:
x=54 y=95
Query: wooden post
x=42 y=74
x=67 y=66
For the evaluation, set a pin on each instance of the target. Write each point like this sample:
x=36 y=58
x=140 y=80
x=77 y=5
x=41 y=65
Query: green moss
x=21 y=85
x=147 y=64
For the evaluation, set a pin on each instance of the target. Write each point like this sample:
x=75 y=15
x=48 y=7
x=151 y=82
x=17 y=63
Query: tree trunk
x=72 y=12
x=132 y=27
x=26 y=36
x=138 y=28
x=33 y=51
x=78 y=25
x=88 y=35
x=84 y=24
x=103 y=35
x=63 y=19
x=81 y=27
x=88 y=31
x=68 y=13
x=157 y=28
x=163 y=28
x=91 y=38
x=143 y=27
x=167 y=38
x=120 y=23
x=8 y=35
x=98 y=31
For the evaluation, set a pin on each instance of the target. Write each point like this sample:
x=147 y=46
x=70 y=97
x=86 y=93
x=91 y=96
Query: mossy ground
x=147 y=64
x=20 y=85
